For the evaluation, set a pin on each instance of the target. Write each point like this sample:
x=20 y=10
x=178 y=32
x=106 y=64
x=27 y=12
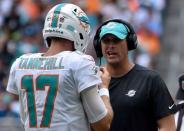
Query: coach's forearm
x=110 y=113
x=104 y=124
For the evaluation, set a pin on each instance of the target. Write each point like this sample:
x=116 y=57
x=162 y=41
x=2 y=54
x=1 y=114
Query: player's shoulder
x=146 y=71
x=28 y=55
x=79 y=56
x=78 y=59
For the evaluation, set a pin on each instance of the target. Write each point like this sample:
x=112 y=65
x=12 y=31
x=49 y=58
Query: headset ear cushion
x=132 y=42
x=135 y=40
x=132 y=37
x=97 y=45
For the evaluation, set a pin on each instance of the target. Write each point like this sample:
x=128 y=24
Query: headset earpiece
x=97 y=44
x=131 y=37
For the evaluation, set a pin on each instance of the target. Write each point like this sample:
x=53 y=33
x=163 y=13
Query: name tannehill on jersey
x=41 y=63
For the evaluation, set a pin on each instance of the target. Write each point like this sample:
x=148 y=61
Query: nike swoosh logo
x=170 y=107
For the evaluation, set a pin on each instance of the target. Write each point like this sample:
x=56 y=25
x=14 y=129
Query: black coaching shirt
x=139 y=99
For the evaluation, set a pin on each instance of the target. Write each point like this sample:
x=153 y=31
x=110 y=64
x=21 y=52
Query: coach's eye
x=113 y=40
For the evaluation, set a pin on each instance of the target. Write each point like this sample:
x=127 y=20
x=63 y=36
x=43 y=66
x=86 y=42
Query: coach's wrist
x=103 y=92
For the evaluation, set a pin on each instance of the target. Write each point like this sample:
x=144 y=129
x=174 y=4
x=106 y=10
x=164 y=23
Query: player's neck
x=57 y=48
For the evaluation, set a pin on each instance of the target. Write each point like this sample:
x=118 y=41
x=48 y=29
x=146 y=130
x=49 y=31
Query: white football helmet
x=67 y=21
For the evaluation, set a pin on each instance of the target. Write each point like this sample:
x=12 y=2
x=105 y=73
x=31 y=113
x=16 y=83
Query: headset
x=131 y=37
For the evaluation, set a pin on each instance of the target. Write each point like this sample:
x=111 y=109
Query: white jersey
x=49 y=90
x=176 y=121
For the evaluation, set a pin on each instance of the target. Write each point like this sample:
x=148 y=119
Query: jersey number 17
x=41 y=81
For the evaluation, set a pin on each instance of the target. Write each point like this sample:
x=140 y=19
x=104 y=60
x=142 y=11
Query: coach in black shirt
x=139 y=96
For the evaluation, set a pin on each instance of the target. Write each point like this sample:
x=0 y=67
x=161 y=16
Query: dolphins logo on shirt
x=131 y=93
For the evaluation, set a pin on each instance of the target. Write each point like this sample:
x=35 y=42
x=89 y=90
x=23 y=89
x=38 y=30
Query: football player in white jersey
x=58 y=89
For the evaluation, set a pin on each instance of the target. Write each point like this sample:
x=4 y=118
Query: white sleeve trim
x=12 y=91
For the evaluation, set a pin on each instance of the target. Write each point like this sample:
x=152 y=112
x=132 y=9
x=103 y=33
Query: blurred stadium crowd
x=21 y=23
